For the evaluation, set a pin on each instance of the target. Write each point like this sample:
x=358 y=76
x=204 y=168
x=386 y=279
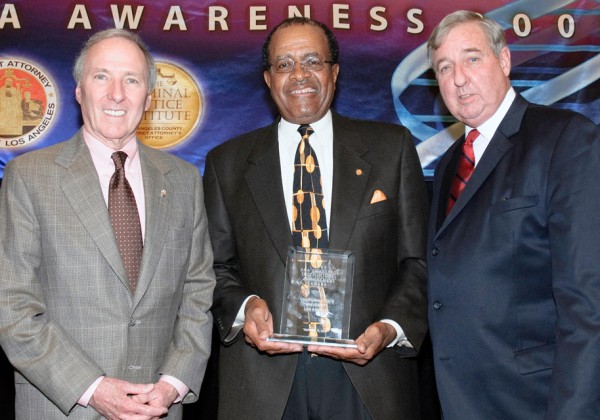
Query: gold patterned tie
x=309 y=224
x=125 y=220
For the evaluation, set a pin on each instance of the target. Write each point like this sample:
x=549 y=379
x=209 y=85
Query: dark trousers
x=322 y=390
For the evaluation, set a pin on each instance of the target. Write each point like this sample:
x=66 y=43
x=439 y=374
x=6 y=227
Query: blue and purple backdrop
x=384 y=75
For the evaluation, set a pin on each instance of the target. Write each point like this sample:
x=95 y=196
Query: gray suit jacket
x=251 y=236
x=66 y=313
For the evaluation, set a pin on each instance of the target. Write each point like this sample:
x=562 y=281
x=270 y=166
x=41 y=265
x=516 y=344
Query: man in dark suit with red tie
x=514 y=246
x=374 y=203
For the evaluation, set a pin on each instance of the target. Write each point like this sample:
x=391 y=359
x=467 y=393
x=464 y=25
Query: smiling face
x=113 y=91
x=302 y=97
x=473 y=81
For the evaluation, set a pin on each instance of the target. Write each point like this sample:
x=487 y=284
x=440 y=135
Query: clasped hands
x=118 y=399
x=258 y=326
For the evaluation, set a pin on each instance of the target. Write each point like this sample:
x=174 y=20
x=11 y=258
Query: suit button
x=134 y=322
x=437 y=305
x=435 y=251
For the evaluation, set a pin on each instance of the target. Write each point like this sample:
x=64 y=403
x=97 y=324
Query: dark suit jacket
x=514 y=273
x=67 y=315
x=251 y=236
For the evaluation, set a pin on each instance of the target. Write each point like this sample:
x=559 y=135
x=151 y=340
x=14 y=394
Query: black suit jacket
x=251 y=236
x=514 y=273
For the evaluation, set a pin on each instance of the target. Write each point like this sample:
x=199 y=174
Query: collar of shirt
x=105 y=167
x=488 y=128
x=322 y=143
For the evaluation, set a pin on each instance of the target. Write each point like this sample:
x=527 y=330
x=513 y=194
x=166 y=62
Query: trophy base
x=317 y=341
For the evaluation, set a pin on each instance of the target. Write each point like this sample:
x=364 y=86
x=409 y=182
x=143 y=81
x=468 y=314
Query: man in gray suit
x=375 y=206
x=85 y=335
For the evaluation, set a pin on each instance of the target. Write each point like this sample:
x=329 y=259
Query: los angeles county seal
x=28 y=102
x=175 y=110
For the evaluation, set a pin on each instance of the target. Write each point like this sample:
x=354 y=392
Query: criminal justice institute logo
x=27 y=102
x=175 y=110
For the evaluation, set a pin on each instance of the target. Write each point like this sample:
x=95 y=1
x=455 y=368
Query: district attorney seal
x=28 y=102
x=175 y=109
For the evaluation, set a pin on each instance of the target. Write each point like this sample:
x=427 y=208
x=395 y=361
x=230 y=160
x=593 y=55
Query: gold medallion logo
x=27 y=102
x=175 y=109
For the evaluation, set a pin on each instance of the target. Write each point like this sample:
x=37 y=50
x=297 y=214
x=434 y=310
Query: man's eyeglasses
x=310 y=63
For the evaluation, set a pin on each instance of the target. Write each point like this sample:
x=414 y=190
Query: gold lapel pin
x=163 y=193
x=359 y=172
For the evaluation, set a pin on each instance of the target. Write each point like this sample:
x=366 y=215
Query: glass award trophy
x=317 y=297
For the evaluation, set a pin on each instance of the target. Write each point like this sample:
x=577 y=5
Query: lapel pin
x=163 y=193
x=359 y=172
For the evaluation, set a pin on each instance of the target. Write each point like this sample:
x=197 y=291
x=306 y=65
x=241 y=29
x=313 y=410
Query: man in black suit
x=375 y=205
x=514 y=267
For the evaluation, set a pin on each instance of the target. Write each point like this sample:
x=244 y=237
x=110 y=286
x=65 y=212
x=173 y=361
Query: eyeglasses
x=310 y=63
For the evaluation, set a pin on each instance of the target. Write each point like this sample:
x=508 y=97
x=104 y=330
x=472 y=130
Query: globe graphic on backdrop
x=420 y=108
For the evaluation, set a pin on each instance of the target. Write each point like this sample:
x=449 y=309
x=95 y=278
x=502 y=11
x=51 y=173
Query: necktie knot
x=471 y=137
x=305 y=131
x=119 y=159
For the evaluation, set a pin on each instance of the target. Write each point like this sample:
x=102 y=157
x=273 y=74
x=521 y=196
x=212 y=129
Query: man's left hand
x=162 y=395
x=375 y=338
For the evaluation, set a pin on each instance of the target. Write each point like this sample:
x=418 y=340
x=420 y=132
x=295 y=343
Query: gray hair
x=115 y=33
x=491 y=28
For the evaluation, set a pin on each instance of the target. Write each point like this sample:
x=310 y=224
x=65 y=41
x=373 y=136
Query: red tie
x=466 y=166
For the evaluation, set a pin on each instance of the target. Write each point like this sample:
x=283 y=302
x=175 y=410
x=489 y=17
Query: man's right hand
x=112 y=400
x=258 y=326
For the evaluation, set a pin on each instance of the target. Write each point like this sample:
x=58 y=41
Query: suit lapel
x=497 y=148
x=264 y=182
x=447 y=169
x=158 y=203
x=350 y=177
x=82 y=189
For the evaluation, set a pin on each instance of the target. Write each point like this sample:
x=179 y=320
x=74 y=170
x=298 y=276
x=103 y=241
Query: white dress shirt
x=488 y=128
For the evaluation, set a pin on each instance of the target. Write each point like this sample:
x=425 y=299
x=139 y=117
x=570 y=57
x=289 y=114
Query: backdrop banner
x=210 y=85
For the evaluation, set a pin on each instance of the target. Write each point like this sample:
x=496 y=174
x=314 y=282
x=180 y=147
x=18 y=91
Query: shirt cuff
x=401 y=339
x=240 y=318
x=182 y=389
x=87 y=395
